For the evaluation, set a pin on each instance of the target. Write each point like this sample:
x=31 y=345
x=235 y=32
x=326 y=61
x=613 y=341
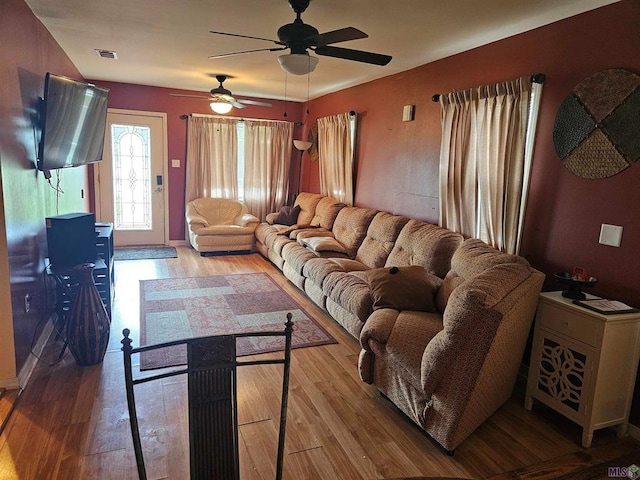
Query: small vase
x=89 y=324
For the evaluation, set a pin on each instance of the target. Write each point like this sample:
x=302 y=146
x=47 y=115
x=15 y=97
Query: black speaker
x=71 y=239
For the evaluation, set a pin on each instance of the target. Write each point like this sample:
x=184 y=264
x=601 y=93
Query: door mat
x=178 y=308
x=144 y=253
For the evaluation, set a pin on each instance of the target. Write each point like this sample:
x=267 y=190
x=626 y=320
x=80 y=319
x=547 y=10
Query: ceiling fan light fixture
x=298 y=63
x=221 y=107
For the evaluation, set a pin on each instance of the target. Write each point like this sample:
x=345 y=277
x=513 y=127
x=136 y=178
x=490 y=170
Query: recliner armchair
x=220 y=225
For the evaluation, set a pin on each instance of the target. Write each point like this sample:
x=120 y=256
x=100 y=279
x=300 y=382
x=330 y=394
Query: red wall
x=27 y=53
x=397 y=160
x=155 y=99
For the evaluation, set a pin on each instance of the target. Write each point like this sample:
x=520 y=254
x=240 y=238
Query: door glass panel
x=131 y=147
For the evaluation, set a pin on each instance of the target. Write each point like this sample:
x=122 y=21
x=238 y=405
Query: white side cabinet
x=583 y=364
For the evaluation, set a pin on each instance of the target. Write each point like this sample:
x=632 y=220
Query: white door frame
x=165 y=168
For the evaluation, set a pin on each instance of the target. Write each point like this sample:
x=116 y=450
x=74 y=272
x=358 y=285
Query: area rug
x=144 y=253
x=177 y=308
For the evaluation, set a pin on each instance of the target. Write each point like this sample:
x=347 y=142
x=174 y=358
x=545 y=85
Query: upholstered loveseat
x=442 y=321
x=220 y=225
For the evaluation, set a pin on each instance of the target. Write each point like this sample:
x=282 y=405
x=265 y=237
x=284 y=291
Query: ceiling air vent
x=106 y=54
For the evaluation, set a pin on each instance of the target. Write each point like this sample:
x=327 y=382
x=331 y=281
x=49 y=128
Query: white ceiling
x=167 y=43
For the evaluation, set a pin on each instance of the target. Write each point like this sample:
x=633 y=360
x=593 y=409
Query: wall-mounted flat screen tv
x=73 y=120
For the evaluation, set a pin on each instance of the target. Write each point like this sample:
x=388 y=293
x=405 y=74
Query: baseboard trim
x=29 y=366
x=8 y=401
x=178 y=243
x=634 y=431
x=9 y=383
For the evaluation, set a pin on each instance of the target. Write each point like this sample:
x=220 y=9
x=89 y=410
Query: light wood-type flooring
x=71 y=422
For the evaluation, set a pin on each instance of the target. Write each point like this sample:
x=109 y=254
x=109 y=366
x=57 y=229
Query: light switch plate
x=408 y=112
x=175 y=163
x=610 y=235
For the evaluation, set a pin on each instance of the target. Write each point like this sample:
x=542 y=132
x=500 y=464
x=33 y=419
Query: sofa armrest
x=196 y=221
x=469 y=327
x=271 y=217
x=378 y=327
x=248 y=219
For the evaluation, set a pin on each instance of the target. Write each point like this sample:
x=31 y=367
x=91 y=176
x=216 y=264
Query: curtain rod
x=536 y=78
x=187 y=115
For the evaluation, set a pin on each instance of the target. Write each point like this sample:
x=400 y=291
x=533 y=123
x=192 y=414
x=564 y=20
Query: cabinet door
x=563 y=374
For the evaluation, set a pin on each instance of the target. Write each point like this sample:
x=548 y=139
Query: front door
x=130 y=179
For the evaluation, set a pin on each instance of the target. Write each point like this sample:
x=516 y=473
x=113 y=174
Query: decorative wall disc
x=597 y=128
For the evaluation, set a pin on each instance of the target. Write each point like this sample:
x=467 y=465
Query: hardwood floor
x=71 y=422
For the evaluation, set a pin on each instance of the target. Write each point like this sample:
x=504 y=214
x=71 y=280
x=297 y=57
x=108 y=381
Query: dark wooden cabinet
x=105 y=279
x=103 y=275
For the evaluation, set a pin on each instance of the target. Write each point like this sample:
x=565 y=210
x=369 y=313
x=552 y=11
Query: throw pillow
x=403 y=288
x=324 y=244
x=288 y=215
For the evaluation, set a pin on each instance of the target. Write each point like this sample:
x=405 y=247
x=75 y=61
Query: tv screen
x=74 y=116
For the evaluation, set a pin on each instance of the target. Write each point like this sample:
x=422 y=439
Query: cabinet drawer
x=572 y=324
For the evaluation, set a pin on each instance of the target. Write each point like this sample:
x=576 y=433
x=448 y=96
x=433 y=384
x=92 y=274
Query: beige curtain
x=483 y=166
x=268 y=147
x=336 y=139
x=212 y=158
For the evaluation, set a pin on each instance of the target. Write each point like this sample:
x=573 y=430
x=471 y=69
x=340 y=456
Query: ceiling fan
x=222 y=100
x=300 y=37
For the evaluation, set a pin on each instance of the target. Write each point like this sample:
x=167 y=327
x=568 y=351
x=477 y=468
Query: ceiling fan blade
x=254 y=102
x=246 y=36
x=190 y=96
x=355 y=55
x=236 y=104
x=246 y=51
x=223 y=97
x=335 y=36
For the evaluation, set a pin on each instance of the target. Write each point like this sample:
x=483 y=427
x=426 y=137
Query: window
x=485 y=160
x=243 y=160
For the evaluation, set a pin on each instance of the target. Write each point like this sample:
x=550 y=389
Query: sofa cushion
x=217 y=211
x=214 y=230
x=351 y=227
x=381 y=236
x=266 y=233
x=307 y=202
x=299 y=234
x=326 y=212
x=324 y=244
x=318 y=268
x=278 y=243
x=295 y=255
x=497 y=282
x=475 y=256
x=403 y=288
x=427 y=245
x=411 y=333
x=350 y=291
x=288 y=215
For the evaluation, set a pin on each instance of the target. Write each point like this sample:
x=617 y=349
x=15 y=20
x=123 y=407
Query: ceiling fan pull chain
x=285 y=94
x=308 y=80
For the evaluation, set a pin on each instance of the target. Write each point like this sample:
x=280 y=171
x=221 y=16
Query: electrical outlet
x=27 y=303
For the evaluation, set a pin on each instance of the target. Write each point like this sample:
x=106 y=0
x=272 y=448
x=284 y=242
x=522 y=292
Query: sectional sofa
x=442 y=320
